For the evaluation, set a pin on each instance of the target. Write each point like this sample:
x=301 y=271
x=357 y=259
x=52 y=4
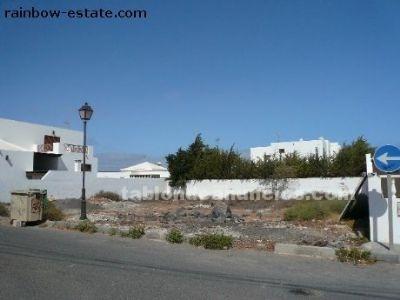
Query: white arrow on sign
x=384 y=158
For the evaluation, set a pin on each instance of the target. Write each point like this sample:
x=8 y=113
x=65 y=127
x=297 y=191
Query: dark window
x=88 y=167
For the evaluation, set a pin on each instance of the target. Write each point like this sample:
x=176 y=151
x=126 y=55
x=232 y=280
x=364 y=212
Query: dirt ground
x=254 y=224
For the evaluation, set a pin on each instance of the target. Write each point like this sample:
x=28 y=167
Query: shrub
x=86 y=226
x=4 y=211
x=51 y=212
x=212 y=241
x=134 y=232
x=313 y=209
x=354 y=255
x=175 y=236
x=109 y=195
x=112 y=231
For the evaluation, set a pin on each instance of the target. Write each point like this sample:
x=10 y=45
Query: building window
x=281 y=151
x=88 y=168
x=145 y=176
x=77 y=165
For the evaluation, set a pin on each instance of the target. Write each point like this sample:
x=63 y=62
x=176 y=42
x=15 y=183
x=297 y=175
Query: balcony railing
x=58 y=148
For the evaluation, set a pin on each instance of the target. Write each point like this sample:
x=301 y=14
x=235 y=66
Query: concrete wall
x=295 y=188
x=378 y=212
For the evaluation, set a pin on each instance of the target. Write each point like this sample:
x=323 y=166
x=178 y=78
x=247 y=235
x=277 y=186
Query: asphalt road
x=40 y=263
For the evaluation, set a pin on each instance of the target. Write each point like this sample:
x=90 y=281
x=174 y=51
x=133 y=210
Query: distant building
x=142 y=170
x=320 y=147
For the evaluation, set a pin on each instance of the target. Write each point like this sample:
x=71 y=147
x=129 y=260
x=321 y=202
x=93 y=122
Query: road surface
x=37 y=263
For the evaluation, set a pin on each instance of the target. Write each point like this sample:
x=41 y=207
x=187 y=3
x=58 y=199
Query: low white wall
x=221 y=189
x=64 y=184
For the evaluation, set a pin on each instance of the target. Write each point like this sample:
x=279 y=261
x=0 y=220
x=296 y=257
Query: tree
x=350 y=161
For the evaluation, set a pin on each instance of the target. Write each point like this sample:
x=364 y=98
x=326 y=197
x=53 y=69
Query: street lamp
x=85 y=112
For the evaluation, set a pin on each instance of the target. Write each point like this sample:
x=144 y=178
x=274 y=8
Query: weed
x=134 y=232
x=109 y=195
x=212 y=241
x=313 y=209
x=51 y=212
x=4 y=211
x=86 y=226
x=112 y=231
x=354 y=256
x=175 y=236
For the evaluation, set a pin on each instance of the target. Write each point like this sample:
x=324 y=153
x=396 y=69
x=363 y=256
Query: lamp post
x=85 y=113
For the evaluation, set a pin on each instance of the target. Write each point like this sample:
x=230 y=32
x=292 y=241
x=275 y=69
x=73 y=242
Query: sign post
x=387 y=160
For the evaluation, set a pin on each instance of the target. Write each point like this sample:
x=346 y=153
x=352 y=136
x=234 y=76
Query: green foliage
x=108 y=195
x=135 y=232
x=313 y=209
x=201 y=161
x=51 y=212
x=112 y=231
x=212 y=241
x=4 y=211
x=86 y=226
x=350 y=161
x=354 y=255
x=174 y=236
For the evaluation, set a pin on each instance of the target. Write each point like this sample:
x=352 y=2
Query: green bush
x=175 y=236
x=86 y=226
x=135 y=232
x=313 y=209
x=51 y=212
x=108 y=195
x=354 y=255
x=212 y=241
x=201 y=161
x=4 y=211
x=112 y=231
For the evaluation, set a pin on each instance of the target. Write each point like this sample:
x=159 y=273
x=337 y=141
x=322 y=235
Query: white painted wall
x=26 y=134
x=111 y=174
x=296 y=188
x=378 y=208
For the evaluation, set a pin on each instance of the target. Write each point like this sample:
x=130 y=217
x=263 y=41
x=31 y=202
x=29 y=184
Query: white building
x=142 y=170
x=37 y=150
x=47 y=157
x=303 y=148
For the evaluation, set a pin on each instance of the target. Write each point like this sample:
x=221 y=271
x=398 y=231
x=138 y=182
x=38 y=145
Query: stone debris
x=251 y=223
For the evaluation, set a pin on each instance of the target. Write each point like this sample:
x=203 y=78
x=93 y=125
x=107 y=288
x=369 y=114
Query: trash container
x=27 y=206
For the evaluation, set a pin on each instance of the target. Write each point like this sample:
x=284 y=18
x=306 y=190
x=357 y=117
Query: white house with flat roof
x=35 y=150
x=142 y=170
x=320 y=147
x=48 y=157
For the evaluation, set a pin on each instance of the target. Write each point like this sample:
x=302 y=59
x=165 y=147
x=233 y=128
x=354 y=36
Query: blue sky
x=239 y=72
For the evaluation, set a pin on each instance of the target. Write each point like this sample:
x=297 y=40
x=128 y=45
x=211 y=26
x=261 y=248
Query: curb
x=313 y=251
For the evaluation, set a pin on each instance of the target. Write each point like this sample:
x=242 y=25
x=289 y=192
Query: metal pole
x=390 y=209
x=83 y=200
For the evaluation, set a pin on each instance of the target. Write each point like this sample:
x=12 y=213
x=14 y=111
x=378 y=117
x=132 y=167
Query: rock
x=180 y=212
x=218 y=212
x=169 y=216
x=195 y=214
x=228 y=213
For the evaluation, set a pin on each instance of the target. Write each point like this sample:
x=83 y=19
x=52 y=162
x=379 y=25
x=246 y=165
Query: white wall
x=378 y=212
x=27 y=134
x=339 y=187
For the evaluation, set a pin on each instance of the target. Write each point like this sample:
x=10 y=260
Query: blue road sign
x=387 y=158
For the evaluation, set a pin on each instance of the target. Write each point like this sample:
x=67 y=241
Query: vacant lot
x=253 y=224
